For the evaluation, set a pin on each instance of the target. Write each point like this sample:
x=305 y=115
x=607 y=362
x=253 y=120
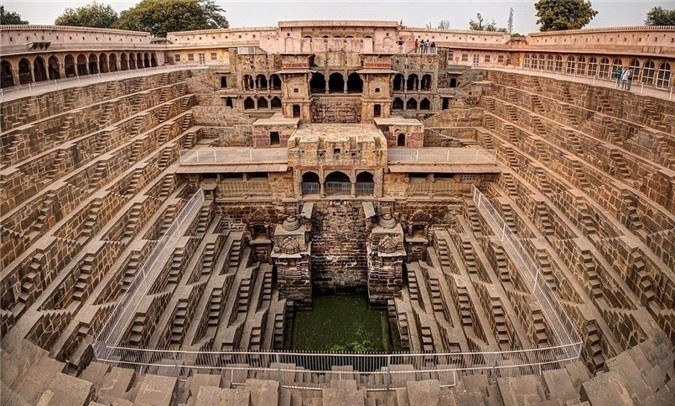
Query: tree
x=93 y=15
x=660 y=16
x=10 y=17
x=554 y=15
x=161 y=16
x=479 y=26
x=444 y=24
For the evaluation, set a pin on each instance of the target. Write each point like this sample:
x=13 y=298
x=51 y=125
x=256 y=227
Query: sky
x=255 y=13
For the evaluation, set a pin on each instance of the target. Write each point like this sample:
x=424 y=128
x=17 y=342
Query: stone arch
x=6 y=76
x=132 y=61
x=549 y=62
x=82 y=65
x=616 y=64
x=663 y=75
x=262 y=103
x=261 y=82
x=453 y=82
x=275 y=82
x=592 y=66
x=310 y=183
x=103 y=63
x=558 y=63
x=318 y=83
x=604 y=68
x=354 y=83
x=124 y=63
x=411 y=104
x=25 y=75
x=634 y=66
x=413 y=82
x=69 y=66
x=336 y=83
x=581 y=65
x=365 y=184
x=139 y=60
x=146 y=60
x=419 y=224
x=399 y=82
x=426 y=82
x=338 y=183
x=93 y=64
x=39 y=70
x=247 y=82
x=153 y=60
x=249 y=103
x=275 y=103
x=425 y=104
x=112 y=62
x=53 y=68
x=397 y=104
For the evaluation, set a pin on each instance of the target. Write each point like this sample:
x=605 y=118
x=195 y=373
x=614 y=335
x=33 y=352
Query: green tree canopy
x=660 y=16
x=554 y=15
x=161 y=16
x=479 y=25
x=10 y=17
x=92 y=15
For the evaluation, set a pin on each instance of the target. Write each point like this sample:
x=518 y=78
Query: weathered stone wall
x=343 y=109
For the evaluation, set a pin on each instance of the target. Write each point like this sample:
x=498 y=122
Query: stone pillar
x=386 y=254
x=292 y=256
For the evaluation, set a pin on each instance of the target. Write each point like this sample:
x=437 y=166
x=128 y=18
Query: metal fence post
x=388 y=371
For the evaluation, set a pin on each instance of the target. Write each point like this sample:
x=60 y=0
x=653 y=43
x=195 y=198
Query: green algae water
x=341 y=324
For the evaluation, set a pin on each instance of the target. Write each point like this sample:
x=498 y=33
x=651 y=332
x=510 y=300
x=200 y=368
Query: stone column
x=291 y=255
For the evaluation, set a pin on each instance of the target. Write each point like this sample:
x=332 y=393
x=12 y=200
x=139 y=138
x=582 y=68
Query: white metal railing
x=43 y=86
x=365 y=188
x=393 y=369
x=559 y=323
x=116 y=326
x=439 y=155
x=338 y=188
x=310 y=188
x=225 y=155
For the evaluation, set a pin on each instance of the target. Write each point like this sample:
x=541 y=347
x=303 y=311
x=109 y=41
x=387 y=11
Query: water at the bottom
x=341 y=324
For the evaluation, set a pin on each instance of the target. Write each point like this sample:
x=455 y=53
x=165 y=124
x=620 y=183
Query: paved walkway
x=636 y=88
x=35 y=89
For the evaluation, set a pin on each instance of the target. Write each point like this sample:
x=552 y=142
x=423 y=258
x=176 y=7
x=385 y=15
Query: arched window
x=426 y=83
x=411 y=104
x=592 y=66
x=616 y=64
x=112 y=61
x=25 y=76
x=604 y=68
x=453 y=82
x=400 y=140
x=549 y=62
x=262 y=103
x=6 y=78
x=146 y=60
x=275 y=103
x=399 y=82
x=53 y=68
x=336 y=83
x=663 y=75
x=318 y=83
x=39 y=70
x=81 y=65
x=103 y=63
x=132 y=61
x=635 y=69
x=249 y=104
x=581 y=66
x=413 y=82
x=527 y=61
x=275 y=82
x=397 y=104
x=425 y=104
x=139 y=61
x=377 y=110
x=261 y=82
x=124 y=64
x=648 y=73
x=338 y=183
x=93 y=64
x=570 y=64
x=541 y=62
x=248 y=82
x=558 y=63
x=153 y=60
x=354 y=83
x=310 y=184
x=365 y=184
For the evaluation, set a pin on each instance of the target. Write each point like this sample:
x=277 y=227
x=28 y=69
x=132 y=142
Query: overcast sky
x=254 y=13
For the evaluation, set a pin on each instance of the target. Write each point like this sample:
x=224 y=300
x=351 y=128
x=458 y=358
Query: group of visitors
x=425 y=46
x=623 y=77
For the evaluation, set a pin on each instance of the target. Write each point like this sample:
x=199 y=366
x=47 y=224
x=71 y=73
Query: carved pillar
x=386 y=254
